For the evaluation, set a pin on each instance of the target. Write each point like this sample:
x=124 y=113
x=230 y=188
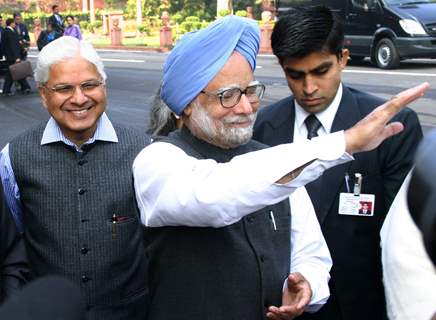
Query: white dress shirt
x=409 y=276
x=174 y=189
x=326 y=117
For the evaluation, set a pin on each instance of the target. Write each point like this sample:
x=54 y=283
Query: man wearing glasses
x=68 y=183
x=223 y=240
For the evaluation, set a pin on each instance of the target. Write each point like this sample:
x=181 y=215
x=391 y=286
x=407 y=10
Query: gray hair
x=162 y=120
x=64 y=48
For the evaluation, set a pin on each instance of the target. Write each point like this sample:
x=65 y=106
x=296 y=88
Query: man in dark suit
x=309 y=47
x=11 y=50
x=13 y=259
x=23 y=33
x=1 y=36
x=56 y=20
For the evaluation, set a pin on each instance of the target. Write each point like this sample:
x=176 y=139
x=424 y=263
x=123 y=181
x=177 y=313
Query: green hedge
x=29 y=17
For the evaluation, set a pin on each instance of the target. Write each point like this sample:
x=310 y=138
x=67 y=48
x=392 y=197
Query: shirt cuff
x=319 y=283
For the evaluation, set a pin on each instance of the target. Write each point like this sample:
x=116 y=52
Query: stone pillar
x=250 y=13
x=166 y=35
x=265 y=33
x=116 y=33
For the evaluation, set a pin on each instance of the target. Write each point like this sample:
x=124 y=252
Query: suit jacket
x=23 y=33
x=354 y=242
x=59 y=27
x=11 y=45
x=2 y=30
x=13 y=259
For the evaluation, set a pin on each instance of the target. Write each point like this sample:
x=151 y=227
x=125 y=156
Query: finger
x=392 y=129
x=405 y=97
x=295 y=278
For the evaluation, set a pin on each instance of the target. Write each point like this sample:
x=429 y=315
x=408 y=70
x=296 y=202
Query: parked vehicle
x=387 y=31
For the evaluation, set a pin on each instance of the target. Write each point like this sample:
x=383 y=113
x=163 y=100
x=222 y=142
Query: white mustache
x=239 y=119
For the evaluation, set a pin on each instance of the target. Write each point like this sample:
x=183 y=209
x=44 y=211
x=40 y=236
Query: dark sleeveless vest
x=234 y=272
x=69 y=201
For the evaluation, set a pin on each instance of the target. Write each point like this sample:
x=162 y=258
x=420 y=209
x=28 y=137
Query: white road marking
x=107 y=59
x=394 y=73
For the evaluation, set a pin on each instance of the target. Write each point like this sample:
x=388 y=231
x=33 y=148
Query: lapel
x=283 y=126
x=333 y=180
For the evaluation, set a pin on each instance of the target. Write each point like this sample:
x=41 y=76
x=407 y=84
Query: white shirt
x=174 y=189
x=326 y=117
x=409 y=276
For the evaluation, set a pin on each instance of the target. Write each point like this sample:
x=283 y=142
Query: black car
x=387 y=31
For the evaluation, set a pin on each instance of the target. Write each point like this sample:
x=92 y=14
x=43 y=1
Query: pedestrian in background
x=309 y=44
x=72 y=29
x=12 y=52
x=56 y=20
x=47 y=36
x=23 y=35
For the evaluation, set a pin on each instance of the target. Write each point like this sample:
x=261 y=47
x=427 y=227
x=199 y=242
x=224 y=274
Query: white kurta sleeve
x=174 y=189
x=309 y=252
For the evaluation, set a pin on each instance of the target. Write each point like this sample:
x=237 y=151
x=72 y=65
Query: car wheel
x=386 y=55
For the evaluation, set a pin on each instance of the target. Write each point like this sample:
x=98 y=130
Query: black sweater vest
x=69 y=200
x=234 y=272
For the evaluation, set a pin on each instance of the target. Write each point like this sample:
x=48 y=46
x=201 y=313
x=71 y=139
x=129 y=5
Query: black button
x=88 y=307
x=250 y=219
x=262 y=258
x=85 y=278
x=82 y=191
x=82 y=162
x=84 y=250
x=84 y=220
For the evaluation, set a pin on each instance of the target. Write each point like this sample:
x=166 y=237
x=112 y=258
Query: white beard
x=220 y=132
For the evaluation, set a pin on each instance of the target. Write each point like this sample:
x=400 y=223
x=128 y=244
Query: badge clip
x=357 y=184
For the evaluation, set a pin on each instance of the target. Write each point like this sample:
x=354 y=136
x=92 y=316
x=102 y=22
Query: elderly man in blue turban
x=225 y=239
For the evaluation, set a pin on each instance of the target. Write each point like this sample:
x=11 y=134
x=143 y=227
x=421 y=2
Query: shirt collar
x=326 y=116
x=104 y=132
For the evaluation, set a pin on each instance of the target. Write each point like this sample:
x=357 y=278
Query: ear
x=344 y=59
x=188 y=110
x=43 y=95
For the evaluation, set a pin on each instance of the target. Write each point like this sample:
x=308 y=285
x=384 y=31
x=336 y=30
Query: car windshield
x=407 y=2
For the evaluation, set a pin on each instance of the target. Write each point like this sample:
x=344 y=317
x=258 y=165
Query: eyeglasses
x=230 y=97
x=67 y=90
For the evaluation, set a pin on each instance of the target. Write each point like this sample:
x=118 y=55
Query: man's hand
x=372 y=130
x=295 y=298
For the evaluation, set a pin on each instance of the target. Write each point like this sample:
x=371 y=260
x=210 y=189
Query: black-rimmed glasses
x=230 y=97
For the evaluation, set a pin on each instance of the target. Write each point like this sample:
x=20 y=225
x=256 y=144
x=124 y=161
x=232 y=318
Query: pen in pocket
x=273 y=220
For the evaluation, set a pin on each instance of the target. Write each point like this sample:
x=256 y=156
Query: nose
x=244 y=106
x=78 y=97
x=309 y=86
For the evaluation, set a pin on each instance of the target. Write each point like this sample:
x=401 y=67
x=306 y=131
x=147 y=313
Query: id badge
x=361 y=205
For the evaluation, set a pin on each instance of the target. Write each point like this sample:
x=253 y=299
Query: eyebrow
x=323 y=65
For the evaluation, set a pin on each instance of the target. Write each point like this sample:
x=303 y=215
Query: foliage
x=190 y=24
x=241 y=13
x=145 y=28
x=29 y=17
x=223 y=12
x=242 y=4
x=177 y=18
x=205 y=10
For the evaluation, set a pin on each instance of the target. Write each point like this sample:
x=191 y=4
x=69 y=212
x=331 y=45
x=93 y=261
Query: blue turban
x=199 y=56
